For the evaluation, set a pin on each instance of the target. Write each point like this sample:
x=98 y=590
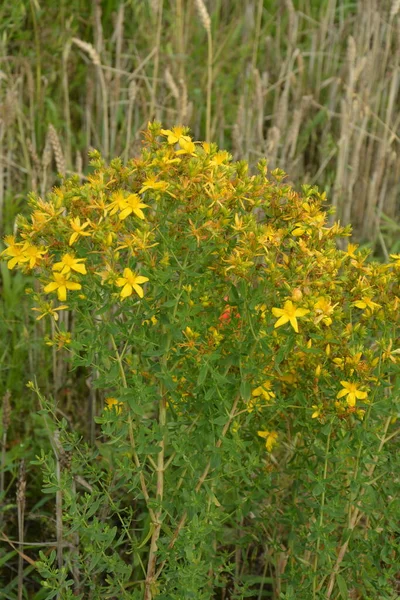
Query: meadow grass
x=312 y=86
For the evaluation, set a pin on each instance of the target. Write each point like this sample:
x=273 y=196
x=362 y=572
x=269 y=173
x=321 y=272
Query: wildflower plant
x=246 y=369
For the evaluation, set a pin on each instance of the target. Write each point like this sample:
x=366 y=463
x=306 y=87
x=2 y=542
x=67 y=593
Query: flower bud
x=297 y=295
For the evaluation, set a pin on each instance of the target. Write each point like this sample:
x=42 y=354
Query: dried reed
x=206 y=22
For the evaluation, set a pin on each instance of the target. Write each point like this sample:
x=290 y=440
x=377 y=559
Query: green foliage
x=244 y=376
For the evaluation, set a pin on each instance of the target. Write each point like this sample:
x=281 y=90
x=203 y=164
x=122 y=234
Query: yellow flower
x=352 y=392
x=190 y=334
x=396 y=258
x=117 y=203
x=132 y=205
x=187 y=147
x=299 y=230
x=219 y=158
x=217 y=337
x=366 y=302
x=270 y=438
x=14 y=251
x=264 y=390
x=126 y=205
x=388 y=353
x=114 y=404
x=32 y=254
x=60 y=340
x=152 y=184
x=317 y=411
x=176 y=134
x=78 y=229
x=324 y=309
x=238 y=223
x=351 y=248
x=69 y=262
x=61 y=284
x=289 y=313
x=129 y=282
x=48 y=309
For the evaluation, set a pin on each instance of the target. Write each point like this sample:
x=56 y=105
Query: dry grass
x=313 y=85
x=313 y=88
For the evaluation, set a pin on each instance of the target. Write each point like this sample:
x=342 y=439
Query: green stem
x=321 y=515
x=131 y=434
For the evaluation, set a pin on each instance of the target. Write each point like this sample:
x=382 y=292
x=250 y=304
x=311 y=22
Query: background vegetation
x=311 y=85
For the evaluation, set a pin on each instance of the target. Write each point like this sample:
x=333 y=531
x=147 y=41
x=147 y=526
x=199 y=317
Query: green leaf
x=133 y=401
x=221 y=420
x=342 y=585
x=202 y=374
x=234 y=297
x=4 y=559
x=169 y=303
x=245 y=390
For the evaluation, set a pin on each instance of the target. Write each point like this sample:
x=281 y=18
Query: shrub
x=246 y=370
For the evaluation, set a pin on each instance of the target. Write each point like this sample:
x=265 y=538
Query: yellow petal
x=139 y=213
x=360 y=304
x=300 y=312
x=72 y=285
x=62 y=293
x=79 y=268
x=124 y=213
x=126 y=291
x=51 y=287
x=11 y=263
x=298 y=231
x=351 y=400
x=138 y=290
x=284 y=319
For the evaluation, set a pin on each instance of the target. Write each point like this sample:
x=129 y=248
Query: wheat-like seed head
x=351 y=50
x=21 y=483
x=204 y=16
x=89 y=49
x=58 y=153
x=395 y=8
x=6 y=411
x=154 y=6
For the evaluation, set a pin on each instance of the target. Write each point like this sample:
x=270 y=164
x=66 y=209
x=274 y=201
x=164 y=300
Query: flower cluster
x=236 y=265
